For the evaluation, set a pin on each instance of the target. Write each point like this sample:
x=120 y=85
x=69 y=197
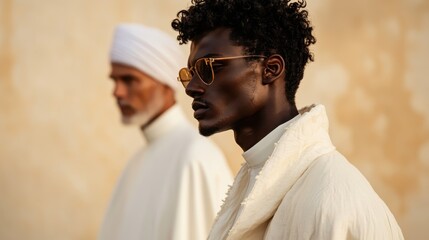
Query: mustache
x=123 y=103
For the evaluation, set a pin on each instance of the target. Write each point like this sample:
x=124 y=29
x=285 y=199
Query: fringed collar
x=302 y=142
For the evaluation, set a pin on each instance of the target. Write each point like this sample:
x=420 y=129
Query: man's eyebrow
x=123 y=75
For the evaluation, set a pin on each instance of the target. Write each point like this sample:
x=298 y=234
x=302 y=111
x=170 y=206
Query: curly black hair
x=263 y=27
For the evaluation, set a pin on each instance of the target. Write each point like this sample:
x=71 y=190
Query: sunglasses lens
x=204 y=71
x=185 y=76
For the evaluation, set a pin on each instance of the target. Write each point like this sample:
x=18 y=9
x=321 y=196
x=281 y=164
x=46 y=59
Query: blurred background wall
x=62 y=145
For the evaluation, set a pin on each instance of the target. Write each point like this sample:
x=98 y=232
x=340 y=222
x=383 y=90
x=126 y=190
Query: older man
x=173 y=187
x=246 y=62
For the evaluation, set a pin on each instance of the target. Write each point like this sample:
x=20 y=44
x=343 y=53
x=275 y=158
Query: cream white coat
x=305 y=190
x=171 y=189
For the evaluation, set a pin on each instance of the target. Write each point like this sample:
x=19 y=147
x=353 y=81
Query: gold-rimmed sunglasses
x=204 y=69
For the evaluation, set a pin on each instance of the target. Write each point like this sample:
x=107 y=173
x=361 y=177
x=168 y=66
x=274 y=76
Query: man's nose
x=120 y=90
x=195 y=87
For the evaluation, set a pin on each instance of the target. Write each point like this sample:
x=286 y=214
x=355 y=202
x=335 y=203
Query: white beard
x=142 y=117
x=138 y=119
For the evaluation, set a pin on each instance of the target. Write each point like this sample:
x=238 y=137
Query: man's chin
x=126 y=121
x=207 y=131
x=135 y=120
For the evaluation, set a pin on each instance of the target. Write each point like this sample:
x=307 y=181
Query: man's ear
x=274 y=69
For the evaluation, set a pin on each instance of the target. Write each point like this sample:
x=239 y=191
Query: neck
x=250 y=131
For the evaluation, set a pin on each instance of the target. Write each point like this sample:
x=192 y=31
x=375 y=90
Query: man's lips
x=200 y=107
x=126 y=110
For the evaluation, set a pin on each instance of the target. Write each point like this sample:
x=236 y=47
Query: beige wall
x=62 y=146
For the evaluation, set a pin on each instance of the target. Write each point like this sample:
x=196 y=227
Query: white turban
x=149 y=50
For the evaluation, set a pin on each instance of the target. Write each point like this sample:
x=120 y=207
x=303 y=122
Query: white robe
x=305 y=190
x=171 y=189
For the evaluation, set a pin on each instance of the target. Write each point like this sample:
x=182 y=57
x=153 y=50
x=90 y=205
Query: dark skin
x=247 y=97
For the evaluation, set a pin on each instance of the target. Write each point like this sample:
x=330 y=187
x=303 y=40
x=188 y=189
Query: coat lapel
x=303 y=141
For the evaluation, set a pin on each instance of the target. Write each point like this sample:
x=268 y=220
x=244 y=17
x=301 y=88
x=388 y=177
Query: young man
x=247 y=59
x=173 y=187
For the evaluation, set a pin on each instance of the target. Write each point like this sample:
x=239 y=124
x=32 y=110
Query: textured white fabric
x=305 y=190
x=261 y=151
x=149 y=50
x=171 y=189
x=257 y=155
